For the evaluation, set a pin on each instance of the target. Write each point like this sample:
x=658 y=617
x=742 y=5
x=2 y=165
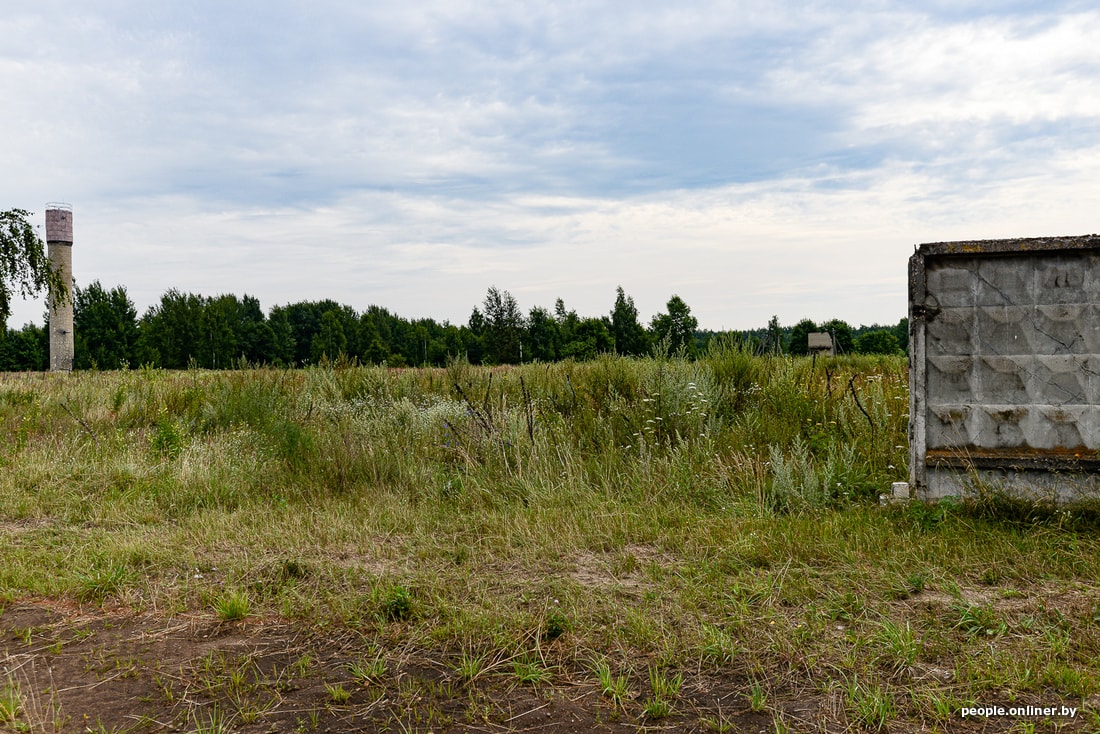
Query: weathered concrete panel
x=1005 y=367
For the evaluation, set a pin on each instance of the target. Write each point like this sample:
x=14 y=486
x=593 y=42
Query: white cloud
x=933 y=78
x=834 y=244
x=754 y=158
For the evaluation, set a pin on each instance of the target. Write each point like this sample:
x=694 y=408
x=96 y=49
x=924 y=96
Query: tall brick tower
x=59 y=243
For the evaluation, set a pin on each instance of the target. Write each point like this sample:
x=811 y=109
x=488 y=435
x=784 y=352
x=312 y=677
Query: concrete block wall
x=1005 y=367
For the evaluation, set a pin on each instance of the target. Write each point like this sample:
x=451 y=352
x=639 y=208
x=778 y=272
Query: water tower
x=59 y=242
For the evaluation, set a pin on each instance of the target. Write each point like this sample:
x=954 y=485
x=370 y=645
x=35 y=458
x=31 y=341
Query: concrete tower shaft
x=59 y=243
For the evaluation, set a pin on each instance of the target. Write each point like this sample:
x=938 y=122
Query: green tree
x=630 y=336
x=798 y=340
x=330 y=341
x=374 y=348
x=171 y=331
x=567 y=321
x=218 y=332
x=772 y=342
x=305 y=322
x=842 y=335
x=503 y=327
x=589 y=338
x=456 y=340
x=475 y=342
x=105 y=326
x=543 y=335
x=434 y=341
x=282 y=339
x=901 y=331
x=255 y=337
x=26 y=350
x=406 y=343
x=879 y=341
x=677 y=327
x=422 y=339
x=24 y=264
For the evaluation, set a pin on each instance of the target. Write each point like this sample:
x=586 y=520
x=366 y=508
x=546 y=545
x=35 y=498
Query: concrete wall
x=1005 y=367
x=59 y=244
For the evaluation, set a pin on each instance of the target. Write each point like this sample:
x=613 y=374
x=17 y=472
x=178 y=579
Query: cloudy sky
x=756 y=158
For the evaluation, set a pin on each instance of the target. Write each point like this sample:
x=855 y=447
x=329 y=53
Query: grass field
x=614 y=545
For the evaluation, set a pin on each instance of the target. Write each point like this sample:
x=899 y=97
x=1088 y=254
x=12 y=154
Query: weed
x=396 y=604
x=871 y=706
x=1069 y=680
x=990 y=576
x=531 y=672
x=714 y=537
x=471 y=666
x=167 y=690
x=118 y=398
x=301 y=667
x=555 y=625
x=656 y=708
x=915 y=583
x=612 y=686
x=943 y=707
x=11 y=703
x=368 y=670
x=167 y=438
x=718 y=724
x=975 y=619
x=758 y=697
x=910 y=586
x=337 y=693
x=233 y=605
x=845 y=607
x=215 y=722
x=309 y=724
x=662 y=685
x=900 y=642
x=101 y=582
x=291 y=569
x=718 y=646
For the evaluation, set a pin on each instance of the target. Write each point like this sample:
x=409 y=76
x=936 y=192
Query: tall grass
x=716 y=513
x=148 y=465
x=730 y=429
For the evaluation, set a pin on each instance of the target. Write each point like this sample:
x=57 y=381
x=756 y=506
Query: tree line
x=190 y=330
x=186 y=329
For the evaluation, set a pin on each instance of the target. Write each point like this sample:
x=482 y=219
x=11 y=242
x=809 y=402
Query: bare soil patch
x=110 y=670
x=91 y=669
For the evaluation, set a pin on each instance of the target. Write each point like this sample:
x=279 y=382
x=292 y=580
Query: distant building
x=819 y=342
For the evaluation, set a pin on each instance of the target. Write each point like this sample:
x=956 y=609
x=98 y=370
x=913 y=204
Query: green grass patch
x=233 y=606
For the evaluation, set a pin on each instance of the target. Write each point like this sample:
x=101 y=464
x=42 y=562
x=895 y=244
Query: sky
x=756 y=159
